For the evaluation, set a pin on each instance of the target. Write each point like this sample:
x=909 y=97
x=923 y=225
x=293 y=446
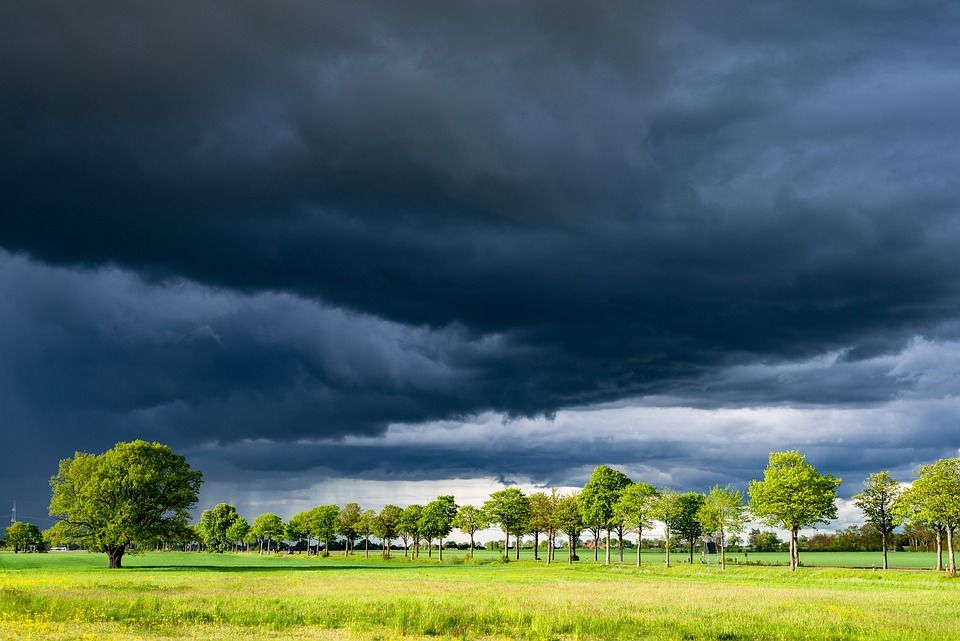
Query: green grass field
x=172 y=596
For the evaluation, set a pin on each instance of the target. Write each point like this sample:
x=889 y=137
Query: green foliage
x=934 y=498
x=386 y=524
x=238 y=531
x=764 y=541
x=268 y=527
x=24 y=537
x=542 y=506
x=509 y=508
x=685 y=522
x=637 y=505
x=136 y=493
x=436 y=522
x=409 y=527
x=568 y=518
x=600 y=495
x=722 y=515
x=469 y=519
x=347 y=522
x=322 y=524
x=793 y=494
x=213 y=527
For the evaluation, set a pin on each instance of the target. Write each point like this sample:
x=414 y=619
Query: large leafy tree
x=214 y=524
x=510 y=509
x=599 y=498
x=268 y=528
x=569 y=521
x=635 y=509
x=348 y=519
x=685 y=522
x=666 y=509
x=134 y=494
x=436 y=522
x=469 y=520
x=24 y=537
x=385 y=526
x=722 y=514
x=793 y=495
x=934 y=498
x=410 y=528
x=877 y=501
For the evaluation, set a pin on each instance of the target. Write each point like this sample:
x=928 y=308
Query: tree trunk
x=883 y=539
x=516 y=544
x=536 y=546
x=596 y=544
x=691 y=550
x=404 y=548
x=723 y=560
x=939 y=549
x=639 y=540
x=440 y=550
x=620 y=546
x=951 y=558
x=606 y=554
x=429 y=548
x=471 y=545
x=114 y=555
x=549 y=548
x=666 y=546
x=506 y=544
x=366 y=547
x=571 y=548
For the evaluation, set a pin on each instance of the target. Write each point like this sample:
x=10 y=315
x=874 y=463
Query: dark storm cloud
x=347 y=216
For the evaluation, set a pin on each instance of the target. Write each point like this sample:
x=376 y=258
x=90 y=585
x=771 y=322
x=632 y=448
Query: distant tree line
x=138 y=495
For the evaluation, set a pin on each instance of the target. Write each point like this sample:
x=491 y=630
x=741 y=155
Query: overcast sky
x=335 y=251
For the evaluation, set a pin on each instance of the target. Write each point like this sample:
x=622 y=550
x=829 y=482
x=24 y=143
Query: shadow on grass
x=267 y=568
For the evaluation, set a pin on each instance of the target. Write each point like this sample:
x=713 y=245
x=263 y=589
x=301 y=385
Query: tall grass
x=240 y=596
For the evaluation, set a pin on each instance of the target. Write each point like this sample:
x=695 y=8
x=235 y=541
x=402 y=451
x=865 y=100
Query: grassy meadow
x=173 y=596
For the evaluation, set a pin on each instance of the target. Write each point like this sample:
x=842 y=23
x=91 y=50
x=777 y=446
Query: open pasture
x=172 y=596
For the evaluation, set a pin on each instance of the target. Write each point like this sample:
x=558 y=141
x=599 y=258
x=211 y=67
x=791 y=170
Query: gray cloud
x=316 y=221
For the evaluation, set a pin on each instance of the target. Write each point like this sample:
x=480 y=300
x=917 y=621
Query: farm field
x=172 y=596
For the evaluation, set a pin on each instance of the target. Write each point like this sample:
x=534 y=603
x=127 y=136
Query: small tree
x=298 y=528
x=436 y=522
x=569 y=520
x=410 y=527
x=214 y=524
x=935 y=498
x=323 y=525
x=24 y=537
x=237 y=532
x=793 y=495
x=598 y=498
x=268 y=528
x=469 y=520
x=722 y=514
x=541 y=519
x=134 y=494
x=686 y=523
x=385 y=526
x=510 y=509
x=348 y=519
x=635 y=509
x=365 y=525
x=877 y=501
x=666 y=509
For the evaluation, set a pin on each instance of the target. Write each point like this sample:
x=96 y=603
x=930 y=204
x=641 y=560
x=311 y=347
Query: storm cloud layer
x=234 y=227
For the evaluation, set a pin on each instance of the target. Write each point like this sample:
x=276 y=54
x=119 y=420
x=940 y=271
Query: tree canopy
x=214 y=524
x=136 y=493
x=793 y=495
x=510 y=509
x=877 y=501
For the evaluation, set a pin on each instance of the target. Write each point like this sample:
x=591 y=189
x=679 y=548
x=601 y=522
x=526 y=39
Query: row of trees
x=139 y=494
